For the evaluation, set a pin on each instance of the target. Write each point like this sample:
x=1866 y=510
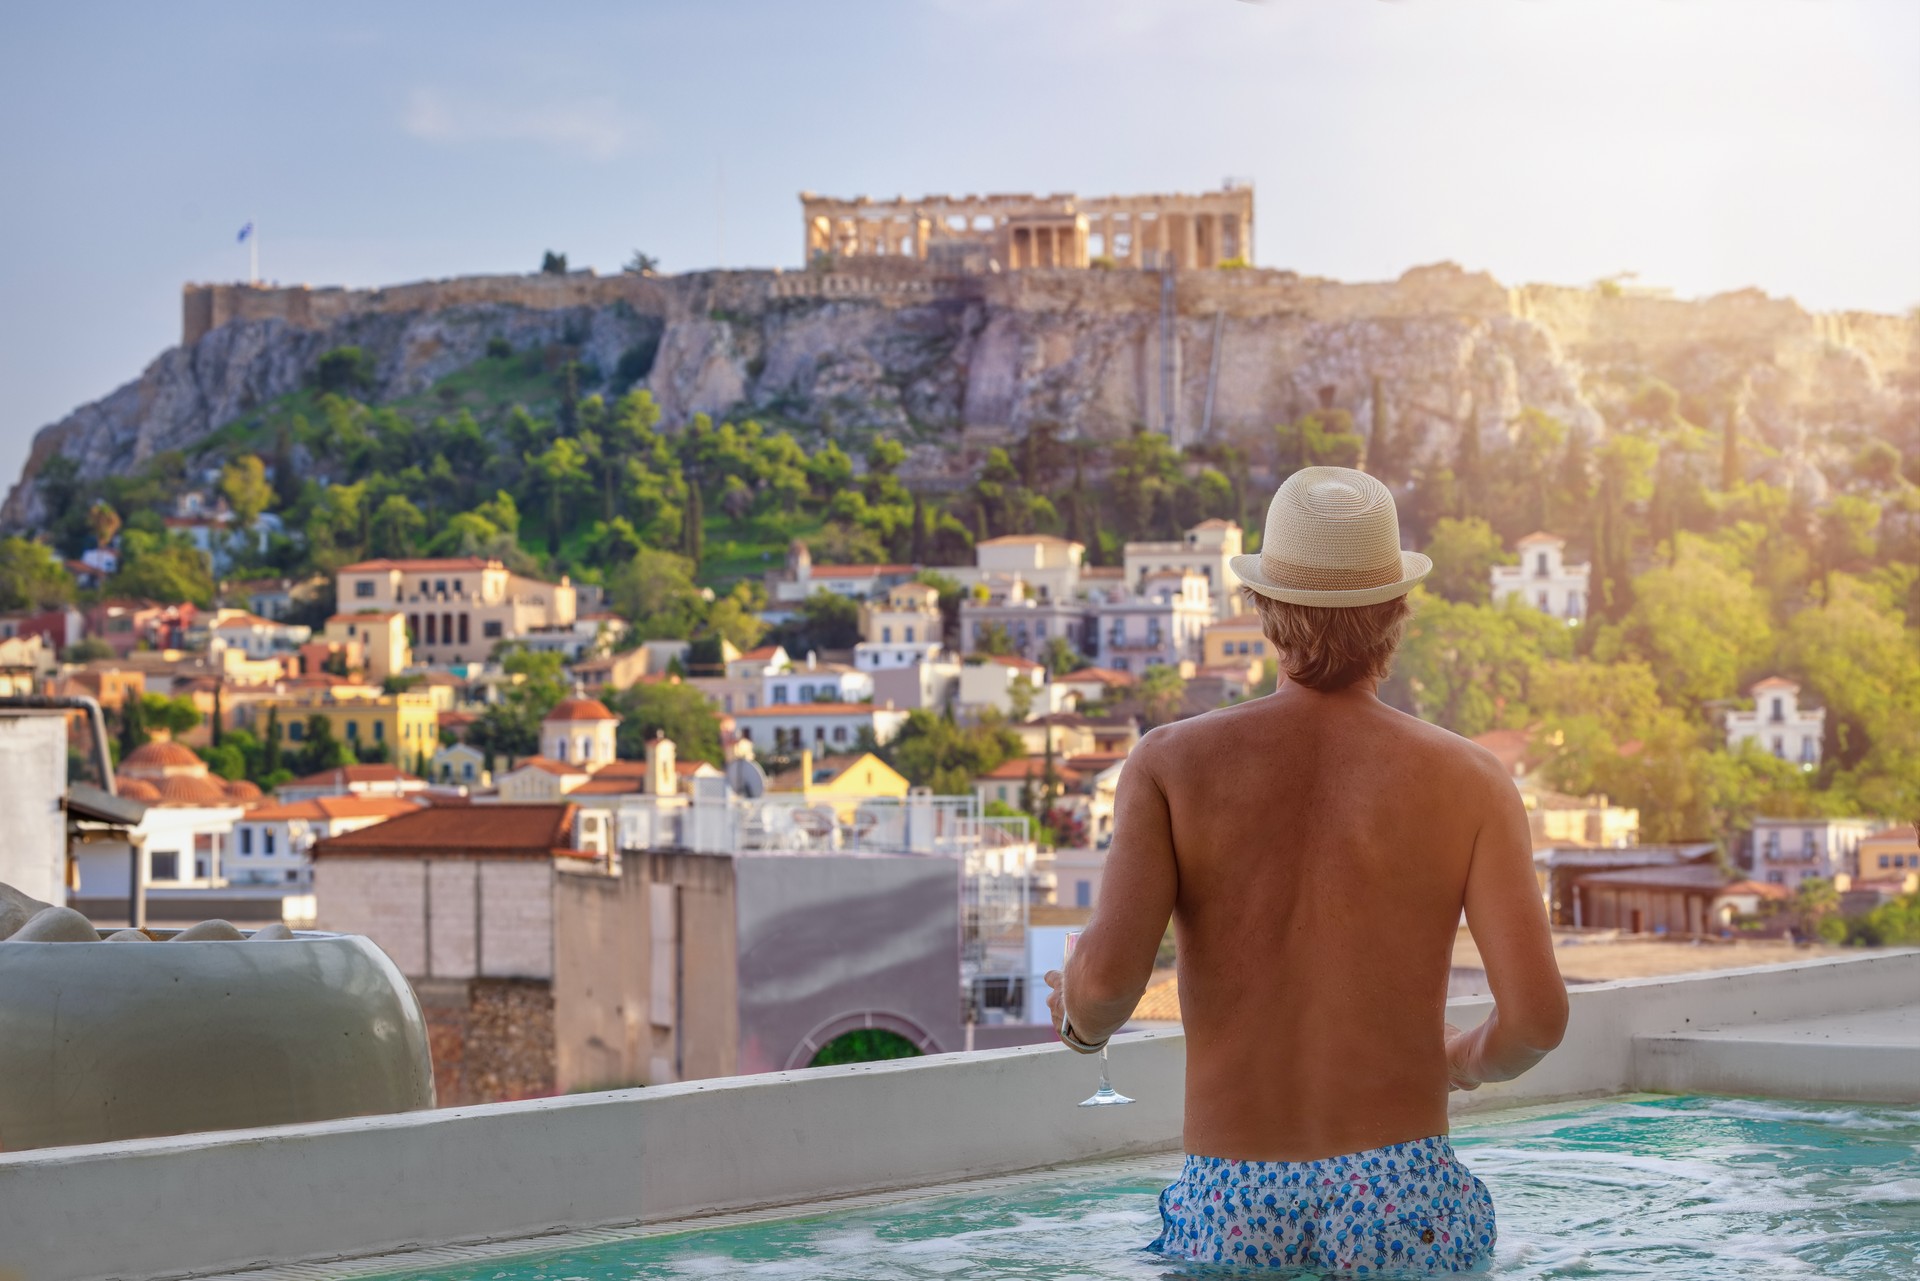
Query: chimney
x=813 y=660
x=662 y=779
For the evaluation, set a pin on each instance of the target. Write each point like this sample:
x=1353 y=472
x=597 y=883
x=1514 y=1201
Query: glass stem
x=1105 y=1087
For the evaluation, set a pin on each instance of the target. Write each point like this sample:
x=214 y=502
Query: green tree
x=823 y=621
x=1060 y=657
x=105 y=523
x=553 y=264
x=320 y=750
x=171 y=571
x=561 y=470
x=178 y=716
x=994 y=639
x=396 y=527
x=680 y=712
x=31 y=576
x=656 y=590
x=1698 y=622
x=1469 y=667
x=345 y=371
x=934 y=752
x=244 y=483
x=1162 y=690
x=1322 y=439
x=1464 y=553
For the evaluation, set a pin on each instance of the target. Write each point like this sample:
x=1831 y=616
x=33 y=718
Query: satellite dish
x=747 y=779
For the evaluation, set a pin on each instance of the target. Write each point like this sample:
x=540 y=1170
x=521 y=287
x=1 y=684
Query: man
x=1315 y=850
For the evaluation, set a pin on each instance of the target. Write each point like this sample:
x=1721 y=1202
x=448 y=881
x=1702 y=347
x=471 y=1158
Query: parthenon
x=1014 y=232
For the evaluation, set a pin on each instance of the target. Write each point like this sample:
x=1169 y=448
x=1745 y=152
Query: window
x=293 y=874
x=363 y=588
x=1545 y=604
x=491 y=629
x=1773 y=845
x=440 y=586
x=246 y=844
x=839 y=733
x=466 y=771
x=379 y=731
x=164 y=865
x=1779 y=709
x=780 y=694
x=909 y=634
x=1540 y=565
x=297 y=731
x=432 y=633
x=353 y=730
x=463 y=629
x=1780 y=747
x=819 y=733
x=886 y=635
x=266 y=844
x=1083 y=893
x=458 y=588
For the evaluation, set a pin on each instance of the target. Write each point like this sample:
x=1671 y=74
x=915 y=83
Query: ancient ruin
x=1015 y=232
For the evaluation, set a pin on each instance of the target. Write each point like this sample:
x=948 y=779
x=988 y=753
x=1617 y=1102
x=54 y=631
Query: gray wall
x=33 y=783
x=829 y=943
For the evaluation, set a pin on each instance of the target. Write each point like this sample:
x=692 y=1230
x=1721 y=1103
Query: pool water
x=1684 y=1189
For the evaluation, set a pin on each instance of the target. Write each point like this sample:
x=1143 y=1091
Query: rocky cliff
x=892 y=347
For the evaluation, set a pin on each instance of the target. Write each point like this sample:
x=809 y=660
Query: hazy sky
x=1707 y=144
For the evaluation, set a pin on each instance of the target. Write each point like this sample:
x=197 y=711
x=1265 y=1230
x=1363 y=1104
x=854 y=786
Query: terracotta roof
x=1215 y=522
x=160 y=754
x=1010 y=660
x=622 y=769
x=579 y=709
x=1160 y=1003
x=376 y=773
x=1105 y=675
x=185 y=789
x=1895 y=833
x=247 y=620
x=762 y=654
x=137 y=789
x=426 y=564
x=811 y=709
x=1115 y=572
x=559 y=769
x=1025 y=538
x=242 y=790
x=1773 y=682
x=1025 y=767
x=330 y=807
x=462 y=831
x=1542 y=536
x=861 y=571
x=618 y=785
x=1512 y=747
x=1094 y=762
x=1759 y=888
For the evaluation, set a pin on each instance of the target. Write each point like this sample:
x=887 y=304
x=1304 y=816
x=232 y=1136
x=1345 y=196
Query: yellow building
x=1235 y=642
x=840 y=781
x=381 y=636
x=407 y=723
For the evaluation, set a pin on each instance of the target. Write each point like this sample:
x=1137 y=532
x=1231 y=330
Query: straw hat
x=1332 y=540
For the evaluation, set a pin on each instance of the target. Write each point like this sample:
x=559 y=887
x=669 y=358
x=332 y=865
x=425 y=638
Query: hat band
x=1313 y=578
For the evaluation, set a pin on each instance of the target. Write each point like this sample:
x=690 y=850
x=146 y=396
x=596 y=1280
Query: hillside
x=892 y=349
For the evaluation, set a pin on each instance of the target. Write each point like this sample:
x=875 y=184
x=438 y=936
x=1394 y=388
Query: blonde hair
x=1329 y=649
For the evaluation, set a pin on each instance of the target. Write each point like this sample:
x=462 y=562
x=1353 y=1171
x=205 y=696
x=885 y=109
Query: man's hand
x=1057 y=1006
x=1460 y=1055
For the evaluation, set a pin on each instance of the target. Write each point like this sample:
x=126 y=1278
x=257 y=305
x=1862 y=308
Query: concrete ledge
x=1870 y=1056
x=342 y=1189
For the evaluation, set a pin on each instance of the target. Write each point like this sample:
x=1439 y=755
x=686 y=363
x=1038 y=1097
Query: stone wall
x=492 y=1039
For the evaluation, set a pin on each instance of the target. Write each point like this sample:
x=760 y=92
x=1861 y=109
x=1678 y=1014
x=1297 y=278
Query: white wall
x=33 y=782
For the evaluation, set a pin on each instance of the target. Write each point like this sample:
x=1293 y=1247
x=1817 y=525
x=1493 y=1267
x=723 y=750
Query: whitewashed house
x=1543 y=579
x=1779 y=724
x=1787 y=851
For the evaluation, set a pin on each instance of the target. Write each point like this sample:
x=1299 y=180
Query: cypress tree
x=918 y=554
x=1381 y=460
x=691 y=532
x=270 y=754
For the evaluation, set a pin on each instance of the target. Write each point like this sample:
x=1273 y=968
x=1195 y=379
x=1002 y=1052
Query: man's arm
x=1509 y=925
x=1114 y=959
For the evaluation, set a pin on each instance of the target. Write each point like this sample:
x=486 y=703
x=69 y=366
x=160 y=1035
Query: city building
x=816 y=682
x=932 y=684
x=1235 y=642
x=378 y=637
x=181 y=842
x=458 y=609
x=1543 y=579
x=126 y=625
x=604 y=673
x=406 y=724
x=1095 y=684
x=1020 y=232
x=800 y=578
x=839 y=780
x=252 y=635
x=827 y=727
x=1779 y=724
x=1892 y=853
x=586 y=636
x=374 y=779
x=1014 y=687
x=1691 y=899
x=1207 y=549
x=1787 y=851
x=1049 y=565
x=1008 y=606
x=902 y=628
x=460 y=765
x=579 y=731
x=271 y=844
x=1161 y=624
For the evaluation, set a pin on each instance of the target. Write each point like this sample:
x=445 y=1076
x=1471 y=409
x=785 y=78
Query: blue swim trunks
x=1408 y=1208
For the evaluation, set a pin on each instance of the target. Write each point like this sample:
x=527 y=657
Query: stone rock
x=208 y=932
x=56 y=925
x=275 y=932
x=129 y=936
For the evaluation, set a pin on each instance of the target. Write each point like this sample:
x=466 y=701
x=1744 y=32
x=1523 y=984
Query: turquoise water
x=1679 y=1189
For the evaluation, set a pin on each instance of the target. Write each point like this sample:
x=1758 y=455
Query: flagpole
x=253 y=252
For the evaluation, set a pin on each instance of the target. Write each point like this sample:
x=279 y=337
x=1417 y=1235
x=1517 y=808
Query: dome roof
x=181 y=789
x=137 y=789
x=579 y=709
x=241 y=790
x=158 y=757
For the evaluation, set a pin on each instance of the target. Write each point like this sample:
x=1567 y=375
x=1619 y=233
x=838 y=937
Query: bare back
x=1321 y=848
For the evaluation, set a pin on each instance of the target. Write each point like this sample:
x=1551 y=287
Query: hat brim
x=1413 y=567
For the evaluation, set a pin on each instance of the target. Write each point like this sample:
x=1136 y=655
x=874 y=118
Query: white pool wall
x=221 y=1202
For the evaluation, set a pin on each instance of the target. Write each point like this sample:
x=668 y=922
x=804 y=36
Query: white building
x=459 y=765
x=1779 y=724
x=1543 y=579
x=458 y=608
x=1207 y=549
x=352 y=780
x=816 y=682
x=1048 y=565
x=579 y=731
x=831 y=727
x=988 y=682
x=900 y=630
x=1030 y=618
x=254 y=636
x=272 y=844
x=933 y=684
x=1163 y=624
x=800 y=578
x=1787 y=851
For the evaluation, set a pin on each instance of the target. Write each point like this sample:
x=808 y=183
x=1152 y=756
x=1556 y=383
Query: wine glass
x=1106 y=1095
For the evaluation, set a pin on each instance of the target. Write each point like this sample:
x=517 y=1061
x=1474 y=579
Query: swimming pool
x=1686 y=1189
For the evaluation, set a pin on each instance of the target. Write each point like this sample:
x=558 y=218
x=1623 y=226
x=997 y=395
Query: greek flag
x=244 y=233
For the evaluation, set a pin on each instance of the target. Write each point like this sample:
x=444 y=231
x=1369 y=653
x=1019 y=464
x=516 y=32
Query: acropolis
x=1013 y=232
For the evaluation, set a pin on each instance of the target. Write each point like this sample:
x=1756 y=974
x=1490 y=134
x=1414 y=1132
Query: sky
x=1705 y=144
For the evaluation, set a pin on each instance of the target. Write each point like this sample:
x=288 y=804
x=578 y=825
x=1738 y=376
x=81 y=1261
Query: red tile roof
x=761 y=654
x=1105 y=675
x=548 y=764
x=324 y=808
x=860 y=571
x=1772 y=682
x=811 y=709
x=579 y=709
x=377 y=773
x=462 y=831
x=427 y=564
